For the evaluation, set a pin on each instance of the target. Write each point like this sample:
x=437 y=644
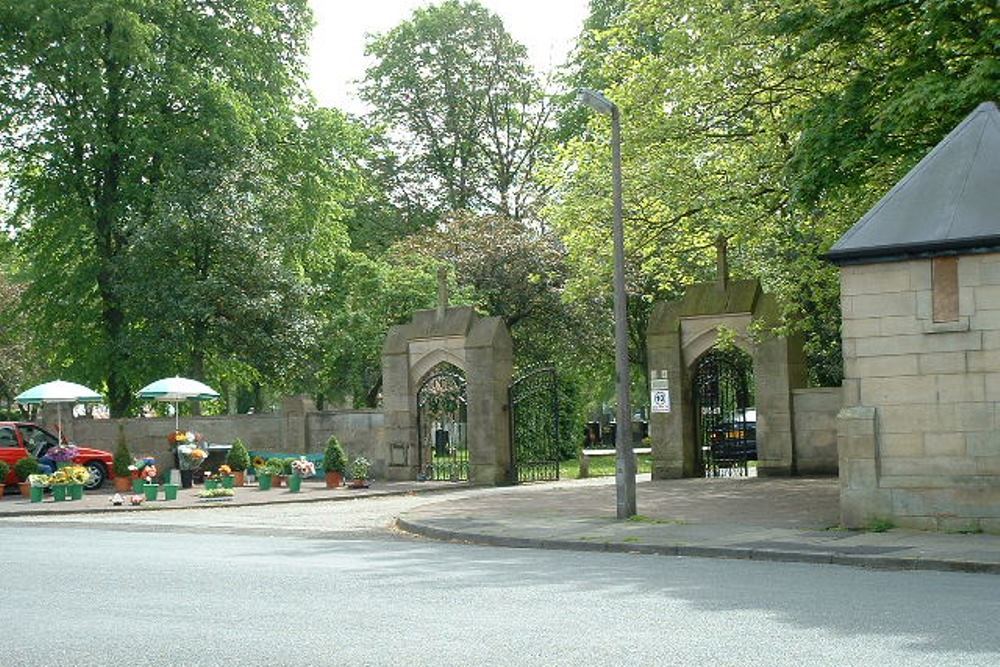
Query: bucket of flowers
x=59 y=482
x=225 y=476
x=149 y=487
x=301 y=468
x=78 y=477
x=39 y=483
x=190 y=454
x=139 y=472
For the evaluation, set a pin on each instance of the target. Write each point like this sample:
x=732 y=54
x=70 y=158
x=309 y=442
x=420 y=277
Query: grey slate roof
x=949 y=202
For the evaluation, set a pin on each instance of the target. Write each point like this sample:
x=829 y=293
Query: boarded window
x=944 y=275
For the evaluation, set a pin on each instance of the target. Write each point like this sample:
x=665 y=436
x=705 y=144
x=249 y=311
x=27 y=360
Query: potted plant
x=63 y=455
x=225 y=476
x=37 y=483
x=334 y=463
x=190 y=454
x=59 y=483
x=301 y=468
x=276 y=468
x=23 y=469
x=141 y=470
x=262 y=473
x=4 y=471
x=360 y=468
x=238 y=459
x=78 y=476
x=122 y=465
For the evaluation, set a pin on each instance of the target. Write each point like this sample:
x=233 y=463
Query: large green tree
x=464 y=111
x=103 y=106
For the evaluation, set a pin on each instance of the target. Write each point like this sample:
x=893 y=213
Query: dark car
x=19 y=439
x=734 y=440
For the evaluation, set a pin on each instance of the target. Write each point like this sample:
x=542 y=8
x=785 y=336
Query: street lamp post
x=624 y=458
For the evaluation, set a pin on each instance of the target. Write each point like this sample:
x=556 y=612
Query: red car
x=19 y=439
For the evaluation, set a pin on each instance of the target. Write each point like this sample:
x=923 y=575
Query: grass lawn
x=600 y=466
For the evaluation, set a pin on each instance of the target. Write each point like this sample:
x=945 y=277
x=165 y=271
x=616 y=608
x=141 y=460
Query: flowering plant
x=63 y=453
x=274 y=467
x=59 y=478
x=138 y=469
x=225 y=471
x=360 y=467
x=38 y=481
x=189 y=452
x=76 y=474
x=303 y=467
x=219 y=492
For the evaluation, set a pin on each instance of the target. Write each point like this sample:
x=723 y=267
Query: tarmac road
x=255 y=591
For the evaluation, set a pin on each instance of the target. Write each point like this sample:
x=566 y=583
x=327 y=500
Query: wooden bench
x=586 y=454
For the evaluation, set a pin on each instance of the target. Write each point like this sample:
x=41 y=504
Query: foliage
x=123 y=457
x=24 y=468
x=274 y=467
x=4 y=470
x=360 y=467
x=218 y=492
x=466 y=115
x=334 y=457
x=238 y=457
x=132 y=131
x=38 y=481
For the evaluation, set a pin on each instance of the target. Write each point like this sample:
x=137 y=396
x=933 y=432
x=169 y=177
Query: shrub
x=4 y=469
x=334 y=458
x=360 y=468
x=26 y=467
x=238 y=457
x=123 y=457
x=274 y=467
x=286 y=466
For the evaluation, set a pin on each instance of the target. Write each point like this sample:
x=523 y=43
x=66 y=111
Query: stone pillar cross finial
x=442 y=291
x=722 y=261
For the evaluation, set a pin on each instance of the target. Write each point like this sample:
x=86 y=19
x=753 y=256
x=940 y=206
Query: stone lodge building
x=919 y=430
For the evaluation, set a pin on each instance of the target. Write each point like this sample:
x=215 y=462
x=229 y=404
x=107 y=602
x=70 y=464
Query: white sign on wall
x=659 y=400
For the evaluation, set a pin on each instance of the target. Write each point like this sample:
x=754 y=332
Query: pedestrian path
x=777 y=519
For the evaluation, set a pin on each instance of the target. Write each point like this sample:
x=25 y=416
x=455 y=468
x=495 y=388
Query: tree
x=465 y=114
x=102 y=103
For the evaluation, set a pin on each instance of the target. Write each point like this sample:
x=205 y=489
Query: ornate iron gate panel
x=534 y=426
x=725 y=419
x=441 y=425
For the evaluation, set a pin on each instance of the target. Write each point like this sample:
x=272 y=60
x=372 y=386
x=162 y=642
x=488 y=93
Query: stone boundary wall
x=359 y=431
x=815 y=421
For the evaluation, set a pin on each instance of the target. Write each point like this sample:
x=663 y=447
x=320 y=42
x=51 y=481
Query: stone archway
x=680 y=332
x=482 y=349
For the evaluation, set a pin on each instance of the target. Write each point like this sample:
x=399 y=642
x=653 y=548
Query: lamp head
x=595 y=100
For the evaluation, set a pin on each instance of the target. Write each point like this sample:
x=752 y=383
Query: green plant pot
x=151 y=490
x=170 y=491
x=76 y=491
x=211 y=484
x=294 y=484
x=265 y=482
x=59 y=492
x=228 y=482
x=137 y=484
x=37 y=493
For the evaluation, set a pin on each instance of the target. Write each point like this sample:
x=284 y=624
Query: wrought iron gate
x=441 y=425
x=725 y=419
x=534 y=426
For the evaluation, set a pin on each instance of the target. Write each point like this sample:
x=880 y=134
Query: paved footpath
x=777 y=519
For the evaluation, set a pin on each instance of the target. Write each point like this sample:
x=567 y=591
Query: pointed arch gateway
x=445 y=377
x=709 y=392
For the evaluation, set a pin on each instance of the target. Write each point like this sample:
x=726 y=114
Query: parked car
x=736 y=439
x=19 y=439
